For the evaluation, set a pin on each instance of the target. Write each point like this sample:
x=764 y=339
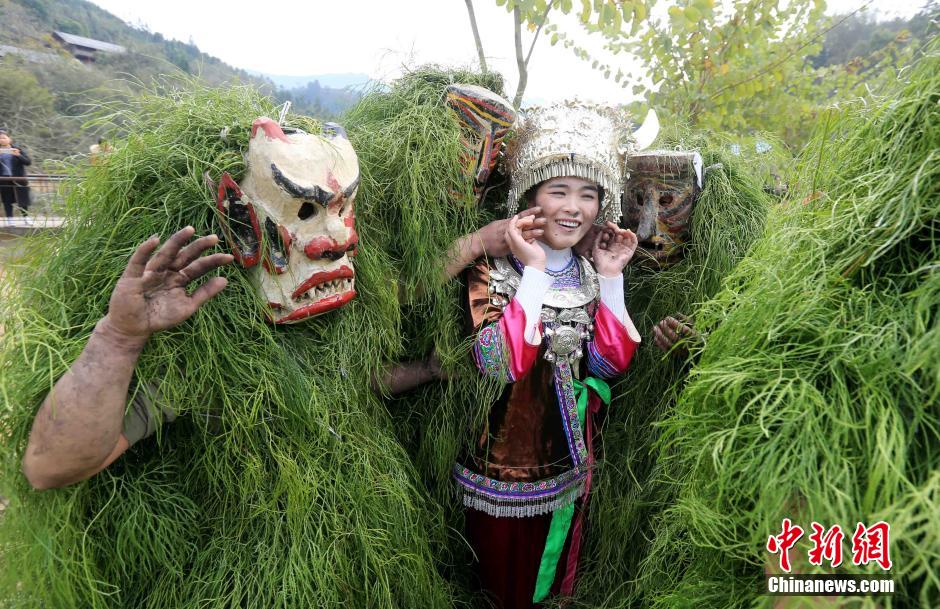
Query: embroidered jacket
x=532 y=456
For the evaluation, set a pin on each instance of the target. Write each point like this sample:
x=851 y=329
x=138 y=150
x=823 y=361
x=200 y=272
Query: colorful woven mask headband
x=486 y=118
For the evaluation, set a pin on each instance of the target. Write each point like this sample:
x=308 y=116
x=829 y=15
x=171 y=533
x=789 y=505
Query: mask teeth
x=337 y=286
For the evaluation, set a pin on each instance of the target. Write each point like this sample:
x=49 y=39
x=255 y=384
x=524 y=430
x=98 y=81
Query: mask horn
x=271 y=129
x=648 y=131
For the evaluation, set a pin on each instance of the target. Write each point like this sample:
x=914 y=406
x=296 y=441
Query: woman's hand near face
x=492 y=237
x=613 y=249
x=526 y=250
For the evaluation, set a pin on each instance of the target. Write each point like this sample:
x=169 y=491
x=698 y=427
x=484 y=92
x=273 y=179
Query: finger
x=531 y=211
x=660 y=340
x=511 y=227
x=671 y=335
x=207 y=290
x=166 y=254
x=677 y=326
x=513 y=232
x=201 y=266
x=598 y=239
x=193 y=251
x=140 y=257
x=532 y=233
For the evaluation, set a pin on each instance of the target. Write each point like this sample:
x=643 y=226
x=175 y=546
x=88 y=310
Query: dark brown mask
x=658 y=199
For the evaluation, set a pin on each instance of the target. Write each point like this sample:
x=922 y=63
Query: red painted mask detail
x=343 y=272
x=239 y=222
x=319 y=307
x=270 y=128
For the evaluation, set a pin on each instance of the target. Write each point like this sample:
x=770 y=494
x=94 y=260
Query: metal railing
x=47 y=191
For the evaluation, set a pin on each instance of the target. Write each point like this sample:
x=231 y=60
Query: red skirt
x=509 y=552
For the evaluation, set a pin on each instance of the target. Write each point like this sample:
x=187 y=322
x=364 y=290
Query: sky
x=379 y=37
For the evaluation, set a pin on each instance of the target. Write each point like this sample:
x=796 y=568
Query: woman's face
x=570 y=205
x=5 y=140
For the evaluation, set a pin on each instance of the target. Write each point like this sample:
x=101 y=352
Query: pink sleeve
x=611 y=350
x=521 y=354
x=501 y=350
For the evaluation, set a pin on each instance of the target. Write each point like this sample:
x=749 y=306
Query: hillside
x=29 y=24
x=46 y=94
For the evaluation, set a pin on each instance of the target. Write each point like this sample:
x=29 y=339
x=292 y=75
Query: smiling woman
x=570 y=205
x=551 y=326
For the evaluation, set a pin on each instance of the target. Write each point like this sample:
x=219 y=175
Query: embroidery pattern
x=564 y=389
x=490 y=354
x=519 y=499
x=599 y=364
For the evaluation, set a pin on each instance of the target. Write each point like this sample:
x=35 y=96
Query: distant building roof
x=90 y=43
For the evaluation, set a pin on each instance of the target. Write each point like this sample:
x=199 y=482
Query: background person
x=14 y=186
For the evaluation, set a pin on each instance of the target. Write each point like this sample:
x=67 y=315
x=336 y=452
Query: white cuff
x=531 y=295
x=612 y=295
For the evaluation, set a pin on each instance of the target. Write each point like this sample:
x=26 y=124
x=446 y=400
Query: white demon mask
x=293 y=214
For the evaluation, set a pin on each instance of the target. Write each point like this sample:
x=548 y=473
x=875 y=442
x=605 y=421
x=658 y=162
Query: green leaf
x=639 y=11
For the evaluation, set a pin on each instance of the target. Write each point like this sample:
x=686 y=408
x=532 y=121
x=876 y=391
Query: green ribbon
x=561 y=518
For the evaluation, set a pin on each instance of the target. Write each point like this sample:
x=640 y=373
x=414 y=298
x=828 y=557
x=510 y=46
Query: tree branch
x=538 y=31
x=523 y=62
x=520 y=60
x=476 y=35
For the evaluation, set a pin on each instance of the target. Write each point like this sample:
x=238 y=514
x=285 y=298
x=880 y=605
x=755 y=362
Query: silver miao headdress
x=570 y=138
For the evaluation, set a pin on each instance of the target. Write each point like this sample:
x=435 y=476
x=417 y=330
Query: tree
x=533 y=15
x=742 y=66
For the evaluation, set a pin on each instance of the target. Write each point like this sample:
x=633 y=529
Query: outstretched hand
x=613 y=249
x=151 y=294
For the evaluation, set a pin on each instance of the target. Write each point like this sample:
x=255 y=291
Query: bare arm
x=489 y=241
x=77 y=431
x=400 y=378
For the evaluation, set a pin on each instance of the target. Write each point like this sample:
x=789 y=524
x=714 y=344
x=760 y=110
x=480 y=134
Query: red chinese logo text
x=781 y=544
